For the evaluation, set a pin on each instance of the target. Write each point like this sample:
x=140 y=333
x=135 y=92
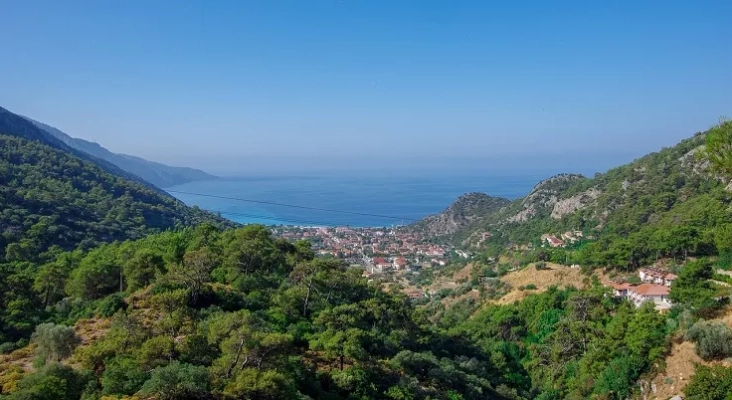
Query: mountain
x=667 y=203
x=15 y=125
x=53 y=198
x=466 y=209
x=158 y=174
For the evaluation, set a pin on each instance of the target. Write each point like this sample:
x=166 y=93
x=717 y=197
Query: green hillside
x=51 y=198
x=158 y=174
x=665 y=204
x=209 y=313
x=464 y=211
x=17 y=126
x=206 y=314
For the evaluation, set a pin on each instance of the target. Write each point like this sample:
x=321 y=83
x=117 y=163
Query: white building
x=658 y=294
x=656 y=276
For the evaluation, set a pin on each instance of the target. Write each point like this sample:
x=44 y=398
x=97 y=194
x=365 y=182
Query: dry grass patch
x=90 y=330
x=13 y=366
x=680 y=364
x=726 y=318
x=445 y=282
x=552 y=275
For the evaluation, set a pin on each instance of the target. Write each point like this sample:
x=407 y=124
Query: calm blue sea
x=405 y=198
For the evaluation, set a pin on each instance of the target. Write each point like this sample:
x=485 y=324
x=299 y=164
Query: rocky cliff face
x=465 y=210
x=546 y=195
x=571 y=204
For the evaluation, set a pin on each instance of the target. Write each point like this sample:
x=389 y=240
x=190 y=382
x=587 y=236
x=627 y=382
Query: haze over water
x=406 y=197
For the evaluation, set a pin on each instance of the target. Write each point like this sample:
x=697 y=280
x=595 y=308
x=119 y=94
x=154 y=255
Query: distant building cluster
x=550 y=240
x=377 y=249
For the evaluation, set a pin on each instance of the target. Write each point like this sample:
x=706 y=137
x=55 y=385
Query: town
x=377 y=250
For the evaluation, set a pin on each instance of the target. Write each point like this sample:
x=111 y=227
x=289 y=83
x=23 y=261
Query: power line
x=288 y=220
x=280 y=219
x=293 y=206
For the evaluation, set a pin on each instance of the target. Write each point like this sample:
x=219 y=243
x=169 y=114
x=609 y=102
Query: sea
x=341 y=200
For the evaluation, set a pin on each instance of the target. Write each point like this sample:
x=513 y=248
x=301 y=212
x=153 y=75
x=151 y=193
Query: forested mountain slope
x=158 y=174
x=15 y=125
x=665 y=204
x=52 y=198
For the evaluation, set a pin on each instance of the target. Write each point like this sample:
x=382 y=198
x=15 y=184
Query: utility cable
x=293 y=206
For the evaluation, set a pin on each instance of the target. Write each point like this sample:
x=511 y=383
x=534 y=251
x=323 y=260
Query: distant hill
x=158 y=174
x=465 y=210
x=666 y=203
x=12 y=124
x=55 y=197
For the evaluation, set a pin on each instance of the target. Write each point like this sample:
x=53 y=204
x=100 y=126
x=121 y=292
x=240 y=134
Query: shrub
x=725 y=260
x=251 y=383
x=54 y=342
x=619 y=376
x=52 y=382
x=713 y=340
x=70 y=309
x=178 y=381
x=709 y=383
x=540 y=265
x=111 y=304
x=7 y=347
x=123 y=375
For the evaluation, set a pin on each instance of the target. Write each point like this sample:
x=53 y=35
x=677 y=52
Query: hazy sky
x=289 y=84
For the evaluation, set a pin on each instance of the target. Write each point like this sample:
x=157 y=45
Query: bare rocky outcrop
x=523 y=215
x=574 y=203
x=544 y=196
x=699 y=165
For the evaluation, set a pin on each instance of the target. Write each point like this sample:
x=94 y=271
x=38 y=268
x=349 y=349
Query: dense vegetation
x=234 y=314
x=107 y=291
x=202 y=313
x=668 y=204
x=52 y=201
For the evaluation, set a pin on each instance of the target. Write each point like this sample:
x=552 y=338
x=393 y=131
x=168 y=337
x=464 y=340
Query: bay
x=365 y=199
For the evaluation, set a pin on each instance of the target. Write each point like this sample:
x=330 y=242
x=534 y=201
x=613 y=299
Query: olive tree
x=54 y=342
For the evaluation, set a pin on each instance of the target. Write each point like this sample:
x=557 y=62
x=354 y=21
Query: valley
x=608 y=287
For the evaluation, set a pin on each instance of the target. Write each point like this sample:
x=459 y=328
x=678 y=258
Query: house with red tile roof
x=621 y=289
x=554 y=241
x=414 y=294
x=658 y=294
x=400 y=263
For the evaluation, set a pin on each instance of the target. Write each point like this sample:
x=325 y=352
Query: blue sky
x=262 y=85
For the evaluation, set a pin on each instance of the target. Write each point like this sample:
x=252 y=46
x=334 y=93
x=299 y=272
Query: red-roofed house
x=554 y=241
x=621 y=289
x=400 y=263
x=649 y=292
x=380 y=263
